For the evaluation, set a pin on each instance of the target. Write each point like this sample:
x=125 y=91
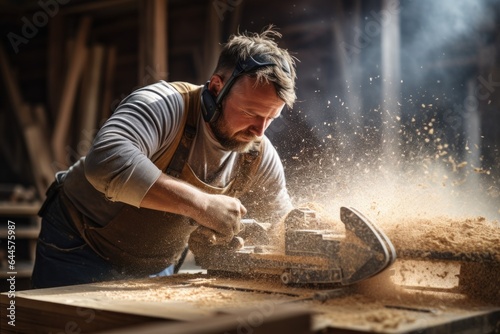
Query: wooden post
x=55 y=62
x=153 y=46
x=91 y=90
x=39 y=152
x=36 y=143
x=108 y=84
x=212 y=42
x=15 y=98
x=75 y=67
x=236 y=18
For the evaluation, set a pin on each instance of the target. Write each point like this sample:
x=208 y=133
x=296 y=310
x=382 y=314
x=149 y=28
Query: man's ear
x=216 y=84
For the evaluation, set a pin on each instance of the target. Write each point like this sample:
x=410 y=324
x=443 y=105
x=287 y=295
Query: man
x=173 y=158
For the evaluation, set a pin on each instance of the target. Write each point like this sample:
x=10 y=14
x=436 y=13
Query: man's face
x=247 y=111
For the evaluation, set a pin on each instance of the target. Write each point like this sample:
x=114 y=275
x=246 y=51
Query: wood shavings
x=197 y=292
x=444 y=234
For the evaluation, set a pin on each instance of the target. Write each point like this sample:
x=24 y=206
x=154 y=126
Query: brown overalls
x=145 y=241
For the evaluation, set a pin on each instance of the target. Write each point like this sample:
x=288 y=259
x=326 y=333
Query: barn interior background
x=398 y=115
x=398 y=101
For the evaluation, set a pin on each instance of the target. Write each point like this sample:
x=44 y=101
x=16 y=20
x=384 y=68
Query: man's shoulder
x=167 y=91
x=162 y=92
x=183 y=87
x=160 y=89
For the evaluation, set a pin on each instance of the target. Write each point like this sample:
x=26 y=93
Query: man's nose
x=259 y=126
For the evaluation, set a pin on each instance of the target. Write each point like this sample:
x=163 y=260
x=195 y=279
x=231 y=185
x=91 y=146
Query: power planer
x=309 y=256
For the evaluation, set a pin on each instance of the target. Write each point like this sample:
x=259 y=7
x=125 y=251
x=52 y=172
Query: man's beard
x=230 y=143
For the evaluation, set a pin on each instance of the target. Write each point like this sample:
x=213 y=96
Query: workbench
x=215 y=303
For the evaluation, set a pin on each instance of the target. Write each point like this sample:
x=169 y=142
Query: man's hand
x=222 y=214
x=203 y=242
x=219 y=213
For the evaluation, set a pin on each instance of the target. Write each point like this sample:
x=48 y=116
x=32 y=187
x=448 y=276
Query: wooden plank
x=55 y=62
x=13 y=148
x=23 y=232
x=75 y=68
x=41 y=155
x=286 y=319
x=89 y=106
x=33 y=316
x=190 y=298
x=153 y=44
x=88 y=308
x=24 y=269
x=22 y=111
x=95 y=5
x=236 y=17
x=109 y=76
x=41 y=119
x=19 y=209
x=212 y=43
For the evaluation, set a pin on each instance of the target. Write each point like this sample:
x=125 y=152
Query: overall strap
x=176 y=155
x=175 y=158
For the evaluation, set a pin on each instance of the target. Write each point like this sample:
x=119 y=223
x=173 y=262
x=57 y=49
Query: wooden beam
x=153 y=50
x=39 y=153
x=13 y=92
x=285 y=319
x=65 y=111
x=55 y=62
x=95 y=5
x=33 y=316
x=90 y=93
x=12 y=144
x=109 y=77
x=236 y=18
x=212 y=43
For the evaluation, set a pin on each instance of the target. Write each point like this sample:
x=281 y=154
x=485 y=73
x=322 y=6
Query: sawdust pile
x=473 y=237
x=192 y=290
x=476 y=237
x=369 y=306
x=472 y=244
x=450 y=253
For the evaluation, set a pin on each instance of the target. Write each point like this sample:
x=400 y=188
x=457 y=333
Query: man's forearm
x=175 y=196
x=217 y=212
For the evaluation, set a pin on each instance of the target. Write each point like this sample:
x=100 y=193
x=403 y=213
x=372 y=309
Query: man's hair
x=245 y=45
